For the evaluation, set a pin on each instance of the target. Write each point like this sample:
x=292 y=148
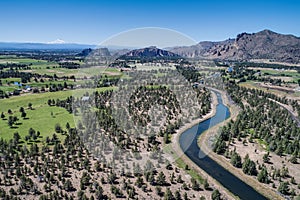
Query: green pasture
x=282 y=73
x=11 y=59
x=40 y=117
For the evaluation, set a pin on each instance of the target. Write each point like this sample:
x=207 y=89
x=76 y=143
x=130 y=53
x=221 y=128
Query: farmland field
x=36 y=108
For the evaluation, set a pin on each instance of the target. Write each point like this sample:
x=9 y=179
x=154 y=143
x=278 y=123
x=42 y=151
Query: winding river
x=189 y=145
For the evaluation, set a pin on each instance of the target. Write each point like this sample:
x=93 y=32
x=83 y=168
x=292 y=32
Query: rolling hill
x=265 y=44
x=149 y=53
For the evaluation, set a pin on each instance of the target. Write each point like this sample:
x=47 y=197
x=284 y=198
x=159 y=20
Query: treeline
x=69 y=65
x=16 y=66
x=67 y=103
x=254 y=64
x=3 y=94
x=262 y=118
x=190 y=73
x=99 y=81
x=265 y=65
x=243 y=74
x=26 y=76
x=48 y=55
x=265 y=121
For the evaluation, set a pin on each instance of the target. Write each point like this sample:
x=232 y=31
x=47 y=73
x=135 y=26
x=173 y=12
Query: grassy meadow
x=41 y=118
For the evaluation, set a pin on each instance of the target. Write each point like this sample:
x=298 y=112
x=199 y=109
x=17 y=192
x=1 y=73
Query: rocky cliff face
x=98 y=52
x=262 y=45
x=149 y=52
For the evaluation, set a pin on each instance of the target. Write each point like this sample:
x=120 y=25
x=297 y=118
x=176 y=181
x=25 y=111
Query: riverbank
x=205 y=141
x=180 y=154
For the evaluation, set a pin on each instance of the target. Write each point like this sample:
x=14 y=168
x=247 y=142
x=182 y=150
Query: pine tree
x=205 y=184
x=216 y=195
x=23 y=114
x=168 y=195
x=263 y=176
x=266 y=158
x=139 y=182
x=236 y=160
x=283 y=188
x=185 y=196
x=177 y=195
x=17 y=137
x=249 y=167
x=68 y=185
x=195 y=184
x=161 y=179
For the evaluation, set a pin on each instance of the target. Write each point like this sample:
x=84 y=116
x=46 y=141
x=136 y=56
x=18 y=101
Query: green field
x=12 y=59
x=282 y=73
x=39 y=118
x=50 y=69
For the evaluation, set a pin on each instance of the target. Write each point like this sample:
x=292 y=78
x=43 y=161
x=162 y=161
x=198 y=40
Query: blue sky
x=92 y=21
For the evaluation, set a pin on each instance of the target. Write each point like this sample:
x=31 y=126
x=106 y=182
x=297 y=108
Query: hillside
x=262 y=45
x=149 y=53
x=102 y=52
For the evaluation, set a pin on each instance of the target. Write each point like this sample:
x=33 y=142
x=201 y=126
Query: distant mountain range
x=265 y=44
x=43 y=46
